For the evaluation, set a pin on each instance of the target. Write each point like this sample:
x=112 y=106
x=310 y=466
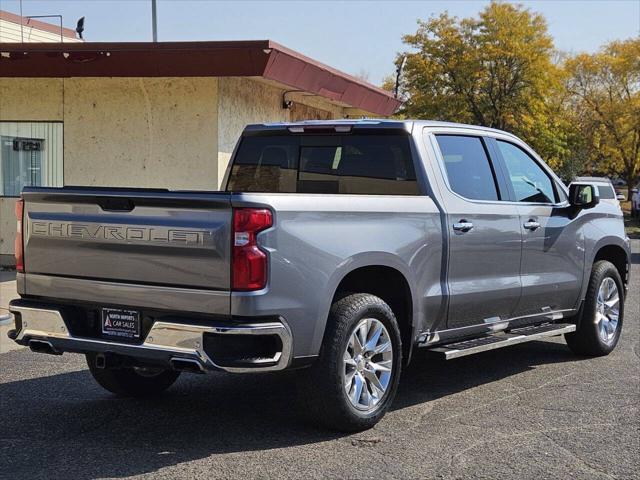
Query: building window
x=30 y=155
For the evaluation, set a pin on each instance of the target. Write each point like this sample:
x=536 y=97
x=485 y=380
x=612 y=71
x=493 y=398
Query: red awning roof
x=260 y=58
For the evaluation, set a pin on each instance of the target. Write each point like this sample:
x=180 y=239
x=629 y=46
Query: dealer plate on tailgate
x=121 y=323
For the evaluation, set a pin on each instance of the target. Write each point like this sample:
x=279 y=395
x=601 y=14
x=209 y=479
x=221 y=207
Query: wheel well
x=392 y=287
x=615 y=255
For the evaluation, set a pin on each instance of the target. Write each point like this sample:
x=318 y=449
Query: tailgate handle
x=115 y=204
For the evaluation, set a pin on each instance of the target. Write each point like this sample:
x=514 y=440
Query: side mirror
x=634 y=190
x=620 y=197
x=583 y=195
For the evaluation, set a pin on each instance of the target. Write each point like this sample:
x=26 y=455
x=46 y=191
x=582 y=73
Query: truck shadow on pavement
x=65 y=425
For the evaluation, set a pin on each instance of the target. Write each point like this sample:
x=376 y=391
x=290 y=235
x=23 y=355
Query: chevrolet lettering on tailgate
x=91 y=231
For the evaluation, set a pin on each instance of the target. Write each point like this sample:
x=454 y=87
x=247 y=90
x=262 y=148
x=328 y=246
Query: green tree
x=496 y=70
x=605 y=90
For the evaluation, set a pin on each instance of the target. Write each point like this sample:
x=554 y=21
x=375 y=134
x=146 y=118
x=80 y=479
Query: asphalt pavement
x=529 y=411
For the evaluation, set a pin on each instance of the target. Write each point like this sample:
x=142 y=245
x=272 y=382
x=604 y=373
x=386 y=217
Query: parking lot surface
x=529 y=411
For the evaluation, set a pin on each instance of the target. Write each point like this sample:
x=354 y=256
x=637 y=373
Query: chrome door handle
x=462 y=226
x=531 y=225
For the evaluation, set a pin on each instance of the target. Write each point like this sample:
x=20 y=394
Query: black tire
x=586 y=340
x=127 y=382
x=325 y=393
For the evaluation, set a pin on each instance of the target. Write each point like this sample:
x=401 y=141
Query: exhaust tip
x=186 y=365
x=42 y=346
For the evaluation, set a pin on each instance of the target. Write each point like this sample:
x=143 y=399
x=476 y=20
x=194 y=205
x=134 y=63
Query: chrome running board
x=499 y=340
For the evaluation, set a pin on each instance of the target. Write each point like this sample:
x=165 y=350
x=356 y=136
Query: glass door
x=21 y=160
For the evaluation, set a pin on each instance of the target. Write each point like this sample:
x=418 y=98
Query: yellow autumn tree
x=496 y=70
x=605 y=91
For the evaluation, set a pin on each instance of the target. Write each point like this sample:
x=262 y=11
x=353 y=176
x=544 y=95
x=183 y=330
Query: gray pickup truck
x=337 y=247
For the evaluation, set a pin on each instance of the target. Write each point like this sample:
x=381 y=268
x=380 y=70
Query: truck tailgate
x=133 y=236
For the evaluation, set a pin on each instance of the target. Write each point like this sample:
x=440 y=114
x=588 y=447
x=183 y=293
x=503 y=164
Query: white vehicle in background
x=605 y=189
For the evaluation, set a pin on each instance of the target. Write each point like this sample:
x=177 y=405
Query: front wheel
x=354 y=381
x=134 y=381
x=601 y=321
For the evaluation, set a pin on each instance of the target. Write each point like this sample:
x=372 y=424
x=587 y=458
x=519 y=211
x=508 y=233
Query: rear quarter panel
x=318 y=239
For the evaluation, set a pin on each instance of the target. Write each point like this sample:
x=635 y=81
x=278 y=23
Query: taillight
x=18 y=247
x=249 y=265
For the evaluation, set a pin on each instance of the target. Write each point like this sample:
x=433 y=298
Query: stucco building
x=163 y=115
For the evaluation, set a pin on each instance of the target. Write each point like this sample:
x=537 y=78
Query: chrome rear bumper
x=164 y=343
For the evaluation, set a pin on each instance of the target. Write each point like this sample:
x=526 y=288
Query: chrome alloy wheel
x=368 y=364
x=607 y=310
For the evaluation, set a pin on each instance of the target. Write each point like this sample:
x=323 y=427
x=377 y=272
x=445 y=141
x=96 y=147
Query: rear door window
x=469 y=171
x=334 y=164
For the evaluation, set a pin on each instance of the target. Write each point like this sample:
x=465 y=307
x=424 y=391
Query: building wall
x=141 y=132
x=31 y=99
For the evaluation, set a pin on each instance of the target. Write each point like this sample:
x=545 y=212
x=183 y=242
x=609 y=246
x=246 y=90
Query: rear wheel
x=134 y=381
x=353 y=383
x=601 y=322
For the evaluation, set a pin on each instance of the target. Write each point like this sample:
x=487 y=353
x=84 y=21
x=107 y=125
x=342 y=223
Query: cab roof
x=345 y=125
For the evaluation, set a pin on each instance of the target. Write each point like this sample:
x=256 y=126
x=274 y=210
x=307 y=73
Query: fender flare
x=360 y=260
x=607 y=241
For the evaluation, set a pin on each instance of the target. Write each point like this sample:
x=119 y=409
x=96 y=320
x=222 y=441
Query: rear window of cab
x=333 y=164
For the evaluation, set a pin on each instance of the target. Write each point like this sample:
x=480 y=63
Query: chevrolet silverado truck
x=338 y=247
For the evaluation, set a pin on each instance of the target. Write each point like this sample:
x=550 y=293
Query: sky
x=357 y=37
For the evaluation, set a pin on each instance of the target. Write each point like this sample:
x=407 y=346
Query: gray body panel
x=315 y=243
x=552 y=259
x=461 y=284
x=193 y=300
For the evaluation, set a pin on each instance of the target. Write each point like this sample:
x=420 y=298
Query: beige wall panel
x=141 y=132
x=31 y=99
